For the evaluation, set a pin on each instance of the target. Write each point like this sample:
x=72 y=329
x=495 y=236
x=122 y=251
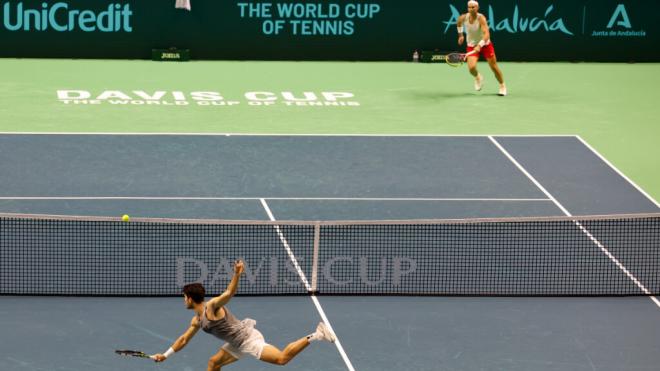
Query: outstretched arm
x=180 y=343
x=223 y=299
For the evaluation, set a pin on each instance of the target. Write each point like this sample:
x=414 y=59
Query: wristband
x=169 y=352
x=481 y=43
x=459 y=29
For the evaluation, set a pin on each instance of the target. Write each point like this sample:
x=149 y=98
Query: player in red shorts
x=475 y=26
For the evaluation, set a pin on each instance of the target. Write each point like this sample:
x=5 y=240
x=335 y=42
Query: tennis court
x=237 y=177
x=289 y=177
x=270 y=142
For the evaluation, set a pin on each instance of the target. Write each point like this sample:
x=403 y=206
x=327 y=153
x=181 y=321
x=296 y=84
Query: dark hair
x=195 y=291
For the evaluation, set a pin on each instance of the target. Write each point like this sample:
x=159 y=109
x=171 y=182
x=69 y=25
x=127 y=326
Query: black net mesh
x=563 y=256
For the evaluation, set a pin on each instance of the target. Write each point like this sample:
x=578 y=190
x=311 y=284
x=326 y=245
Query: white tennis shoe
x=478 y=82
x=323 y=332
x=502 y=91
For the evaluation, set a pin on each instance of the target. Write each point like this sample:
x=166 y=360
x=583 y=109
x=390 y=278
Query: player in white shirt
x=475 y=26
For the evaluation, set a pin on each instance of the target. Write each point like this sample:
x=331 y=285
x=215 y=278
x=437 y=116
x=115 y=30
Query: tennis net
x=572 y=256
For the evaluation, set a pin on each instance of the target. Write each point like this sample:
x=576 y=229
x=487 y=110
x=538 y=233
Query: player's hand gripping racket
x=457 y=59
x=133 y=353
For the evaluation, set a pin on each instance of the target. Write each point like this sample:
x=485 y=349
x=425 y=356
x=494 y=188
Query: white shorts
x=252 y=346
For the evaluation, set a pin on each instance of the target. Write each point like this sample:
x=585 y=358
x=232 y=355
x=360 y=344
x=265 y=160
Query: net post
x=315 y=256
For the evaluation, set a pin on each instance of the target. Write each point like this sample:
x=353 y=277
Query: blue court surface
x=262 y=177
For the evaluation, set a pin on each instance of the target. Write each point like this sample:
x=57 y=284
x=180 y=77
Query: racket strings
x=455 y=58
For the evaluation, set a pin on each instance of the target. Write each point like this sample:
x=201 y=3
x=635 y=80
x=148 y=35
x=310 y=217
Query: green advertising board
x=559 y=30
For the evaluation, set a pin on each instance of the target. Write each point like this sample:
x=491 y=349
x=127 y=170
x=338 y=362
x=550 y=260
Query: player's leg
x=472 y=67
x=492 y=62
x=222 y=358
x=273 y=355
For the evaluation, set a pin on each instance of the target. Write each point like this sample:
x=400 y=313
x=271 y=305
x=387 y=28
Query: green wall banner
x=554 y=30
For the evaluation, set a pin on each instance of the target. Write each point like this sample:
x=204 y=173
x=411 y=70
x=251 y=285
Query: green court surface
x=614 y=107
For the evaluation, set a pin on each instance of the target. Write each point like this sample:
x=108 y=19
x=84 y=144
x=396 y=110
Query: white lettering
x=206 y=96
x=73 y=94
x=333 y=96
x=156 y=96
x=113 y=94
x=257 y=95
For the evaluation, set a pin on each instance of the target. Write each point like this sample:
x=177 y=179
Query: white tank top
x=473 y=31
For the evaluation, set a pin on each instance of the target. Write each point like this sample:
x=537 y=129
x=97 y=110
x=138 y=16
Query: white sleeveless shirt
x=473 y=30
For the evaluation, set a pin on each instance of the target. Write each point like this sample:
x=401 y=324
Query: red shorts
x=487 y=51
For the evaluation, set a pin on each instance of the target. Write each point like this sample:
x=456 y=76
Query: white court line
x=287 y=247
x=621 y=174
x=584 y=230
x=82 y=198
x=317 y=304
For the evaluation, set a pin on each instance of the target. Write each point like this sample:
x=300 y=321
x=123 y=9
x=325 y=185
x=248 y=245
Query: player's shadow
x=436 y=95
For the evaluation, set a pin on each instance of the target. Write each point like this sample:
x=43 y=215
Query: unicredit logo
x=61 y=17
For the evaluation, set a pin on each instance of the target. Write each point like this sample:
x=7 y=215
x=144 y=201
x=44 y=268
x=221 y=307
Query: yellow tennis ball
x=125 y=218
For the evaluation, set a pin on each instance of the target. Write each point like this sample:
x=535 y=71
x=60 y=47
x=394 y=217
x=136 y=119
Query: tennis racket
x=457 y=59
x=132 y=353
